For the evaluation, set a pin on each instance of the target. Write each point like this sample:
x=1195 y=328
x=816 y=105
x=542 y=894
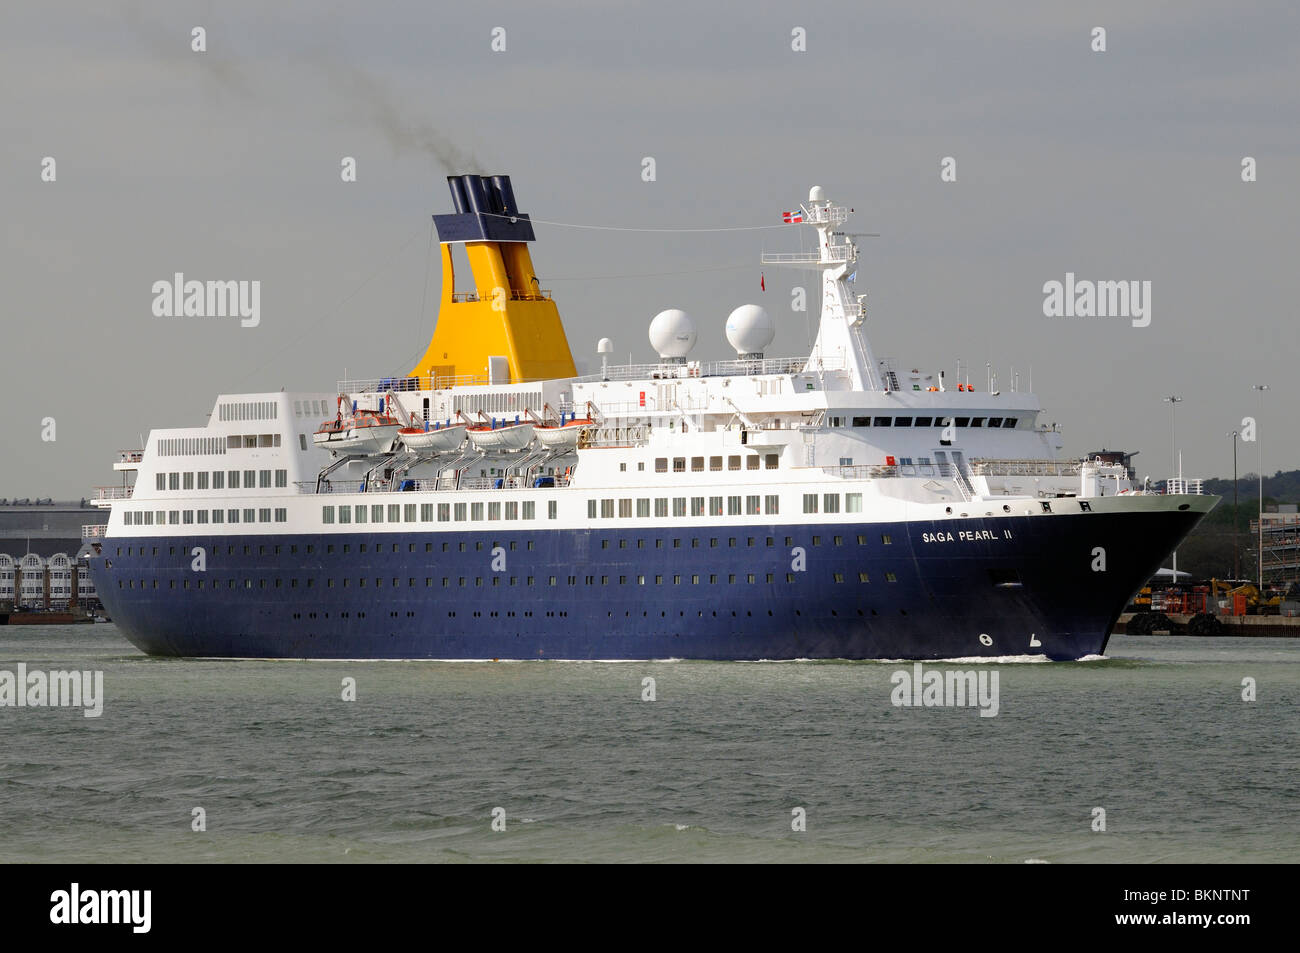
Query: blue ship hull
x=725 y=592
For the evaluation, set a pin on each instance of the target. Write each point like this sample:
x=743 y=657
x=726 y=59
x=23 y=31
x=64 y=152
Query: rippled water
x=1157 y=734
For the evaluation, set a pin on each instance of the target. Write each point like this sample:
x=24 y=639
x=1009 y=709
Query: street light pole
x=1261 y=388
x=1236 y=549
x=1173 y=401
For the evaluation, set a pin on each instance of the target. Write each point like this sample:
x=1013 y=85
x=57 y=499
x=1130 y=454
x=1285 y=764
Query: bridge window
x=1009 y=423
x=922 y=422
x=902 y=421
x=963 y=421
x=883 y=421
x=862 y=421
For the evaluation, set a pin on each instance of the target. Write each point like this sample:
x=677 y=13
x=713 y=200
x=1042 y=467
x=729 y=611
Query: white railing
x=445 y=483
x=130 y=456
x=901 y=471
x=380 y=385
x=694 y=369
x=830 y=214
x=1024 y=468
x=829 y=255
x=113 y=492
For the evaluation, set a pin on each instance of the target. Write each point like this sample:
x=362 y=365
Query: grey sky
x=225 y=165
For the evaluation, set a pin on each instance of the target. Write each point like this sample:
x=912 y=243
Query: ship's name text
x=962 y=536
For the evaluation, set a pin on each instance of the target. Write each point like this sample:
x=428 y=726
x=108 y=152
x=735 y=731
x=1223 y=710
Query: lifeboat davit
x=564 y=436
x=362 y=432
x=502 y=436
x=438 y=438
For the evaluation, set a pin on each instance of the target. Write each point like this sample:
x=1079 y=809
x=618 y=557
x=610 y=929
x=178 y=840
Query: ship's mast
x=841 y=342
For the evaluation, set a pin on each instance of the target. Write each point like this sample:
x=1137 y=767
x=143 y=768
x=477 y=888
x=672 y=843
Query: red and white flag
x=792 y=218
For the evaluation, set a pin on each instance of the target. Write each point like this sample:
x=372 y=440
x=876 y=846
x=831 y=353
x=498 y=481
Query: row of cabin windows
x=1005 y=423
x=444 y=512
x=190 y=446
x=460 y=582
x=753 y=505
x=830 y=502
x=751 y=462
x=222 y=479
x=265 y=549
x=263 y=514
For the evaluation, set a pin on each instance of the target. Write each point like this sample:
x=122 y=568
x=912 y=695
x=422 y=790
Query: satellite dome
x=750 y=330
x=816 y=194
x=672 y=334
x=604 y=346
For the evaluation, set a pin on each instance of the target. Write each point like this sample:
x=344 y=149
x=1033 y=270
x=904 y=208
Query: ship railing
x=836 y=254
x=990 y=467
x=899 y=471
x=113 y=492
x=381 y=385
x=832 y=214
x=694 y=369
x=463 y=296
x=93 y=530
x=130 y=456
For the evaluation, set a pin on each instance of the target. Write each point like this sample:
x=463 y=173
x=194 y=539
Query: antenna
x=604 y=347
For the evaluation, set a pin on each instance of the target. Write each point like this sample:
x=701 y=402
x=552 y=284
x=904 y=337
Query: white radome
x=672 y=333
x=750 y=329
x=604 y=346
x=816 y=194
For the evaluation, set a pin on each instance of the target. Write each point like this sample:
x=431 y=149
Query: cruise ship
x=494 y=504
